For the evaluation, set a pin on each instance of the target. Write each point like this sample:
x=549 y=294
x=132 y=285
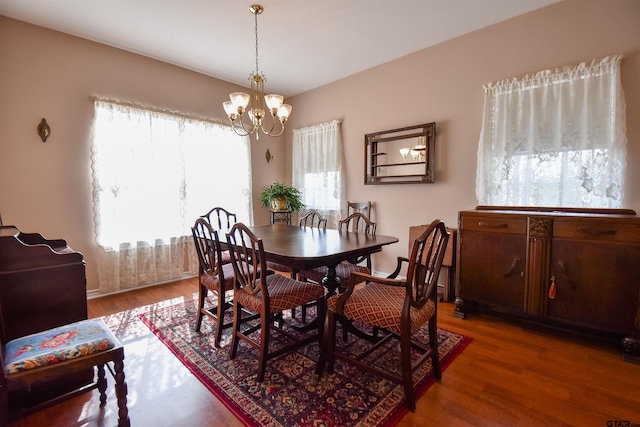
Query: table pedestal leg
x=331 y=281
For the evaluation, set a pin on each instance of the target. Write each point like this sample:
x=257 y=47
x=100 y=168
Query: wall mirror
x=400 y=156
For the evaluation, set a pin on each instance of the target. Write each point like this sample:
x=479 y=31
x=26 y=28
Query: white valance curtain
x=557 y=138
x=154 y=172
x=317 y=168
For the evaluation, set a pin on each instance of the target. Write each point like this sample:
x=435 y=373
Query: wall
x=444 y=84
x=46 y=188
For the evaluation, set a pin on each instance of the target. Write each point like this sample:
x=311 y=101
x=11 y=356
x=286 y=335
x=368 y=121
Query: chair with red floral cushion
x=258 y=290
x=311 y=219
x=356 y=222
x=60 y=353
x=398 y=307
x=214 y=275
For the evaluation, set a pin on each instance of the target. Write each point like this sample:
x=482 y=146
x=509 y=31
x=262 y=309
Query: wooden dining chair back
x=258 y=290
x=358 y=223
x=354 y=223
x=216 y=274
x=359 y=207
x=313 y=219
x=220 y=218
x=398 y=307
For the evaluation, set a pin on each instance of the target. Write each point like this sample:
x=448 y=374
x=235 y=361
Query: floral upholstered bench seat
x=56 y=345
x=59 y=353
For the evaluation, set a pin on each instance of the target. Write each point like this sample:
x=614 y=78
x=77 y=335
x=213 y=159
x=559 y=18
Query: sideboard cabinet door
x=493 y=252
x=596 y=267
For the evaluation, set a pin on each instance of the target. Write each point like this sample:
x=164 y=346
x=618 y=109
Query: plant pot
x=279 y=204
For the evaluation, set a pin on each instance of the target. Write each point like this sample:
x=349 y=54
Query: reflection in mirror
x=400 y=156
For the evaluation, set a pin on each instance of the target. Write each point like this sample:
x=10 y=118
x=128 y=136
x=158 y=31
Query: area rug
x=286 y=397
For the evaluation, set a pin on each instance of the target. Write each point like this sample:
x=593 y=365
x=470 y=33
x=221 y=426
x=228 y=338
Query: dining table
x=304 y=248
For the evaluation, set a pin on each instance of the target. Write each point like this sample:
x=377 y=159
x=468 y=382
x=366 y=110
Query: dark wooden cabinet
x=572 y=268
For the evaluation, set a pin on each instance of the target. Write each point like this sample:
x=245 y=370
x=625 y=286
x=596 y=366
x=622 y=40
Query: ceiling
x=303 y=44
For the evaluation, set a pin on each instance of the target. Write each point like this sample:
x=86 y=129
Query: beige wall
x=47 y=188
x=445 y=84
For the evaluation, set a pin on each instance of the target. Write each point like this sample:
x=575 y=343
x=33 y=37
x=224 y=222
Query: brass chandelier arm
x=243 y=131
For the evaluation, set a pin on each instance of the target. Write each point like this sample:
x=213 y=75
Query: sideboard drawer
x=490 y=224
x=596 y=230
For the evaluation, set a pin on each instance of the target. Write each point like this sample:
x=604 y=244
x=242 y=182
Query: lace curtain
x=317 y=168
x=154 y=173
x=555 y=139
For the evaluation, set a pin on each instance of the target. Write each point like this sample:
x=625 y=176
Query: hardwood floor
x=510 y=375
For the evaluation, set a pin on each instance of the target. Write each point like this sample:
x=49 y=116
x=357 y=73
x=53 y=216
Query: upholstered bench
x=63 y=351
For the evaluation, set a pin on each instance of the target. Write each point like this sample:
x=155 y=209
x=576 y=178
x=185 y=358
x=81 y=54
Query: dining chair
x=359 y=207
x=214 y=275
x=220 y=217
x=398 y=307
x=312 y=219
x=356 y=222
x=258 y=290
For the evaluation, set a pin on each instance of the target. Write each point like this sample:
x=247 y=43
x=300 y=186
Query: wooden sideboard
x=574 y=268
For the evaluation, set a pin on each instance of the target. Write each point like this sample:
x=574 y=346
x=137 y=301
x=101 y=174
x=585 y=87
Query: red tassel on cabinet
x=552 y=288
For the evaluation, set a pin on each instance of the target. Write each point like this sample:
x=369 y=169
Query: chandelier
x=254 y=103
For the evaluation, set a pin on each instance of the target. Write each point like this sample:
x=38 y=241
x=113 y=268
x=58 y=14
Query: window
x=317 y=168
x=154 y=173
x=555 y=139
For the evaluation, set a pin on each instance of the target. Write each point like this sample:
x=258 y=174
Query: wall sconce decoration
x=268 y=156
x=44 y=130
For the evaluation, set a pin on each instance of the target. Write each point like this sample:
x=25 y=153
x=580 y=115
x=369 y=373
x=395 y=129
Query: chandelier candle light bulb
x=240 y=101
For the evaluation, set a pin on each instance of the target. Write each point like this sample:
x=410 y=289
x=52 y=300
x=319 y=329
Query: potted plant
x=279 y=197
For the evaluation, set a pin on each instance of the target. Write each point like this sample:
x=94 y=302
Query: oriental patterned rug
x=286 y=397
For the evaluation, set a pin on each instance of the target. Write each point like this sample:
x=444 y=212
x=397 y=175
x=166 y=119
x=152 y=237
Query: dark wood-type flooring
x=510 y=375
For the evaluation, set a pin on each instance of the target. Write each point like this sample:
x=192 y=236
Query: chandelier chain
x=256 y=27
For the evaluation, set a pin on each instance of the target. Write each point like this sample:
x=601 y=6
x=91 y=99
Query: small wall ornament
x=44 y=130
x=268 y=156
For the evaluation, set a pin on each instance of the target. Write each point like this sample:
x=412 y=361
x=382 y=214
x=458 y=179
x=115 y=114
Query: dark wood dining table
x=304 y=248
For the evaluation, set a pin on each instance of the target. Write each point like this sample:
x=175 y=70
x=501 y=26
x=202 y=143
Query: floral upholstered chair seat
x=56 y=345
